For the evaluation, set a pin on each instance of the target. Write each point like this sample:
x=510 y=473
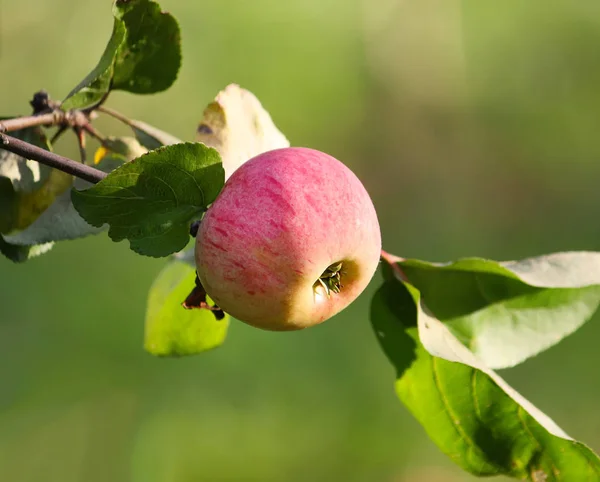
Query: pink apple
x=291 y=240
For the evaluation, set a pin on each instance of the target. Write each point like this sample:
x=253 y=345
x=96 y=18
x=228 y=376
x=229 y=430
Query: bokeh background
x=473 y=124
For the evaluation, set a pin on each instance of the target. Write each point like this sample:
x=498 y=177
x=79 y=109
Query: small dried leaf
x=237 y=125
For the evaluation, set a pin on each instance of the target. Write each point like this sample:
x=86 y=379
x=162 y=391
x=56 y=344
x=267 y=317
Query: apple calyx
x=331 y=279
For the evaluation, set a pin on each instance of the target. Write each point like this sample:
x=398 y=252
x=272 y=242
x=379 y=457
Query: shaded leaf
x=237 y=125
x=20 y=254
x=473 y=416
x=61 y=221
x=152 y=137
x=508 y=312
x=147 y=135
x=27 y=188
x=149 y=59
x=30 y=206
x=151 y=200
x=92 y=89
x=8 y=205
x=25 y=175
x=107 y=164
x=171 y=330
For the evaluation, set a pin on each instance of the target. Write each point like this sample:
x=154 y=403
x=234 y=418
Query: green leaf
x=25 y=175
x=96 y=85
x=151 y=137
x=473 y=416
x=149 y=59
x=8 y=205
x=27 y=188
x=61 y=221
x=128 y=147
x=147 y=135
x=152 y=200
x=507 y=312
x=237 y=125
x=107 y=164
x=20 y=254
x=143 y=55
x=187 y=256
x=171 y=330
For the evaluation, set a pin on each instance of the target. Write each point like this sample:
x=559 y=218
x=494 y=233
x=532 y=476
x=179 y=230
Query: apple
x=292 y=239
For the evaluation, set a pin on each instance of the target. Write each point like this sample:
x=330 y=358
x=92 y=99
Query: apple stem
x=392 y=260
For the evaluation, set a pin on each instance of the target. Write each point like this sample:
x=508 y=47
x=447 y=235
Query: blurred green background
x=473 y=124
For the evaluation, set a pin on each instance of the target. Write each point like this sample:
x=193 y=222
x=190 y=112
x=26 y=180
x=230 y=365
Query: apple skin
x=280 y=221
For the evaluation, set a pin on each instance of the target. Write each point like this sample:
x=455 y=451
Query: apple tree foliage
x=443 y=327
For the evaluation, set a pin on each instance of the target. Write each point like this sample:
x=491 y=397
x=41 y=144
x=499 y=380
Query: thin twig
x=61 y=130
x=91 y=108
x=29 y=151
x=115 y=114
x=18 y=123
x=81 y=143
x=92 y=131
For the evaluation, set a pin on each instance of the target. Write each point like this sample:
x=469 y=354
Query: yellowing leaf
x=99 y=154
x=28 y=188
x=32 y=204
x=237 y=125
x=128 y=147
x=24 y=174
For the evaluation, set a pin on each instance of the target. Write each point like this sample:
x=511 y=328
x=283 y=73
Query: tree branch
x=80 y=133
x=92 y=131
x=115 y=114
x=18 y=123
x=29 y=151
x=61 y=130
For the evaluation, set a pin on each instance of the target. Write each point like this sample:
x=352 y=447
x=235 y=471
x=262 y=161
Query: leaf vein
x=455 y=420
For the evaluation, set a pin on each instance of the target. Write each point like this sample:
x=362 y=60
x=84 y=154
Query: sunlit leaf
x=472 y=415
x=237 y=125
x=507 y=312
x=142 y=56
x=149 y=59
x=186 y=256
x=152 y=200
x=171 y=330
x=97 y=83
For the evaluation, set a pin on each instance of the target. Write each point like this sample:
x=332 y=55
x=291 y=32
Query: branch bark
x=18 y=123
x=115 y=114
x=29 y=151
